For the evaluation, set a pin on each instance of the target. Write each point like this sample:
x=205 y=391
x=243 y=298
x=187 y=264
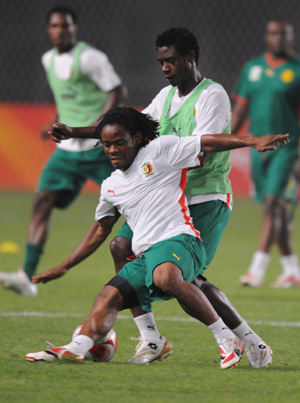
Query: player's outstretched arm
x=59 y=131
x=211 y=143
x=95 y=236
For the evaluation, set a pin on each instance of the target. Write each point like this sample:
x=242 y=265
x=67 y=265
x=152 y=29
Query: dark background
x=229 y=33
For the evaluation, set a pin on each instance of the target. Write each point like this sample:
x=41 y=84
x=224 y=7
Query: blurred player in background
x=147 y=188
x=84 y=85
x=191 y=105
x=268 y=91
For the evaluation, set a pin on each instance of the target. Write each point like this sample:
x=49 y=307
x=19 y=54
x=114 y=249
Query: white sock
x=147 y=327
x=80 y=345
x=290 y=265
x=246 y=334
x=221 y=331
x=259 y=263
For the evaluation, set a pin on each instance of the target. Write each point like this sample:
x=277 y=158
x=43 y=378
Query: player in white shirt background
x=164 y=269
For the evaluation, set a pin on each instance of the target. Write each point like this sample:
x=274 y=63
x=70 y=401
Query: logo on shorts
x=147 y=169
x=178 y=258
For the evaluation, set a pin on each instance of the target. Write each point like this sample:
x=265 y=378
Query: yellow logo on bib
x=287 y=76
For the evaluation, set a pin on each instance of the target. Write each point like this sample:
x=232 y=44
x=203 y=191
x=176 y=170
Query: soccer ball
x=104 y=349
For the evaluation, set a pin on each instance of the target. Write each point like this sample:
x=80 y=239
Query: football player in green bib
x=268 y=91
x=84 y=85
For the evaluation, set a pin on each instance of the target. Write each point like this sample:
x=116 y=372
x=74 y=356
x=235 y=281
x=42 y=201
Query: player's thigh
x=271 y=170
x=62 y=175
x=134 y=273
x=279 y=171
x=95 y=165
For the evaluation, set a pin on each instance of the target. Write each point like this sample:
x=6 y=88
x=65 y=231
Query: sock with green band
x=33 y=254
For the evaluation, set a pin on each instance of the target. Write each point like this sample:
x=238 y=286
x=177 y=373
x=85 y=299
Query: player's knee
x=120 y=249
x=168 y=279
x=125 y=294
x=109 y=298
x=200 y=282
x=274 y=206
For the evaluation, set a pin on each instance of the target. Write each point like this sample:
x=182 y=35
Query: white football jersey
x=150 y=193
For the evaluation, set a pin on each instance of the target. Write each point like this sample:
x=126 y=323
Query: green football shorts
x=68 y=171
x=186 y=251
x=210 y=218
x=271 y=170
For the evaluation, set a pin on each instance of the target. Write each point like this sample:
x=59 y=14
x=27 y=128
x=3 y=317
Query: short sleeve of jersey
x=104 y=208
x=46 y=58
x=242 y=90
x=155 y=108
x=213 y=111
x=96 y=65
x=180 y=152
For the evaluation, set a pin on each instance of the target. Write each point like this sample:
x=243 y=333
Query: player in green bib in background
x=84 y=85
x=268 y=91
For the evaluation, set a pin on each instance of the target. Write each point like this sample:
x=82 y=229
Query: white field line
x=128 y=317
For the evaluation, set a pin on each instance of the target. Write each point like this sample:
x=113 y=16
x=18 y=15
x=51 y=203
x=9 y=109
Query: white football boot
x=250 y=280
x=19 y=282
x=259 y=354
x=56 y=353
x=286 y=281
x=148 y=351
x=231 y=351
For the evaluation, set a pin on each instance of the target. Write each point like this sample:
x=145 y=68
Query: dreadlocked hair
x=181 y=38
x=132 y=121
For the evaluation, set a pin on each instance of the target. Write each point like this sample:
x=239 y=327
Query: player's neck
x=190 y=84
x=65 y=49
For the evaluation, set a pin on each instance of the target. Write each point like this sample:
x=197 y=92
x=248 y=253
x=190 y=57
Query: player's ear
x=191 y=55
x=138 y=137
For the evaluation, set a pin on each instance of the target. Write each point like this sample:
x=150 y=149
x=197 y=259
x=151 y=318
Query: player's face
x=176 y=68
x=120 y=147
x=62 y=31
x=279 y=38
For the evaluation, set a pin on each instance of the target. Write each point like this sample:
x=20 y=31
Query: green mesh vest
x=78 y=100
x=213 y=176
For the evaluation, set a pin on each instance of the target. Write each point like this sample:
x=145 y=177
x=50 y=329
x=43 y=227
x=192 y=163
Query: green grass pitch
x=192 y=373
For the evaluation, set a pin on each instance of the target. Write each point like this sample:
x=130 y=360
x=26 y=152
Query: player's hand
x=270 y=141
x=45 y=133
x=59 y=131
x=49 y=275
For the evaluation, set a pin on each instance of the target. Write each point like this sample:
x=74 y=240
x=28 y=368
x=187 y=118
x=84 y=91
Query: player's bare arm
x=211 y=143
x=95 y=236
x=115 y=97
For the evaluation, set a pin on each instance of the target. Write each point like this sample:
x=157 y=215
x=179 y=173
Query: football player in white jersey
x=148 y=189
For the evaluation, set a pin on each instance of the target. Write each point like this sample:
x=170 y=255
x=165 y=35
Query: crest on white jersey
x=255 y=73
x=147 y=169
